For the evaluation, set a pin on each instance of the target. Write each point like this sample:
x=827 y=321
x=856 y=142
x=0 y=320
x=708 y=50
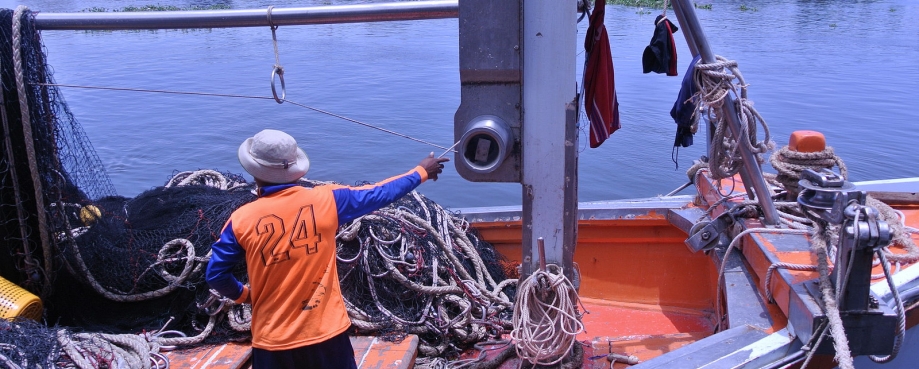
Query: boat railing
x=330 y=14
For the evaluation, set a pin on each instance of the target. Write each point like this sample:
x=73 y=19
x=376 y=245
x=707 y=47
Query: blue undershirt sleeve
x=226 y=253
x=353 y=202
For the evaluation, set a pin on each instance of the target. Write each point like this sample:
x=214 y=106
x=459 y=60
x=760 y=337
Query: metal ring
x=212 y=312
x=279 y=72
x=156 y=364
x=163 y=333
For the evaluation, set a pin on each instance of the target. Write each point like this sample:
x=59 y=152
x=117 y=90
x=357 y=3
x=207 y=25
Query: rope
x=900 y=232
x=204 y=177
x=718 y=312
x=767 y=282
x=10 y=364
x=278 y=70
x=901 y=313
x=840 y=341
x=170 y=252
x=714 y=84
x=175 y=283
x=546 y=317
x=790 y=164
x=458 y=302
x=29 y=142
x=95 y=350
x=368 y=125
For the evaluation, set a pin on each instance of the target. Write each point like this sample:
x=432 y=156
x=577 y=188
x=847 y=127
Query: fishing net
x=132 y=269
x=44 y=162
x=27 y=344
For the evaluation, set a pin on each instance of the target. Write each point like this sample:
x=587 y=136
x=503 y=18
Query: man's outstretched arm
x=353 y=202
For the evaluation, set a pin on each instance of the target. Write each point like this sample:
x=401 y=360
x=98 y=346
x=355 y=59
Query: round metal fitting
x=485 y=144
x=815 y=196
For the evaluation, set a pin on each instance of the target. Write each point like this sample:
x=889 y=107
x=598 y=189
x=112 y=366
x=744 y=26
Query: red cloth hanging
x=600 y=101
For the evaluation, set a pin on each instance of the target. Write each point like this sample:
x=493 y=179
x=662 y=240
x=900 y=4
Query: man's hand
x=433 y=166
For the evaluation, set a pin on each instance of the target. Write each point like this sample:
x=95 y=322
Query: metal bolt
x=706 y=235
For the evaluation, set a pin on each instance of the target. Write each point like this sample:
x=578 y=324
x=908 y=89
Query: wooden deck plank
x=226 y=356
x=374 y=353
x=370 y=353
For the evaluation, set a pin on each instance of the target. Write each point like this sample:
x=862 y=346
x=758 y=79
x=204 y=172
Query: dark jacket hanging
x=660 y=55
x=684 y=108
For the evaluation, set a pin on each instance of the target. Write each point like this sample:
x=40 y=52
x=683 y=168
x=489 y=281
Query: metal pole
x=381 y=12
x=750 y=172
x=548 y=134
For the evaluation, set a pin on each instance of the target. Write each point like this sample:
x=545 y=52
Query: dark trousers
x=334 y=353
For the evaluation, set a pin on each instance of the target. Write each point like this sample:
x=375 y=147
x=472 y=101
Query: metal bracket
x=712 y=234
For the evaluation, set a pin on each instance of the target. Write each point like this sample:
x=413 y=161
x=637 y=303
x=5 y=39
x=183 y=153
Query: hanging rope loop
x=278 y=70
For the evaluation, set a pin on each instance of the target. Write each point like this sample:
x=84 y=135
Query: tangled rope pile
x=413 y=267
x=715 y=83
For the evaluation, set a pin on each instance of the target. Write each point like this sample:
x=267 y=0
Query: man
x=287 y=239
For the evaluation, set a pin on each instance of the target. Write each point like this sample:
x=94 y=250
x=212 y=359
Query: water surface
x=846 y=68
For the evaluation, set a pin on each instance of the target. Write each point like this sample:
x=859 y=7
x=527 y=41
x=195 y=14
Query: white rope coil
x=546 y=317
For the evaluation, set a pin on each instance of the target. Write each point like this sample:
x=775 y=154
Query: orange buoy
x=807 y=141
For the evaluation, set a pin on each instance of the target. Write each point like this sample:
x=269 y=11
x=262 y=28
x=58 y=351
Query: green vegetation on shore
x=654 y=4
x=153 y=8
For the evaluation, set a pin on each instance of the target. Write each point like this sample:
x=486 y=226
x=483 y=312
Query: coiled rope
x=546 y=317
x=790 y=164
x=715 y=83
x=204 y=177
x=96 y=350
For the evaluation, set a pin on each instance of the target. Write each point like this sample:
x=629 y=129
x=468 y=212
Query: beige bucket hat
x=273 y=156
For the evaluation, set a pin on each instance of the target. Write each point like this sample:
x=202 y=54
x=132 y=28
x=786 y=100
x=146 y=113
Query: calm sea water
x=844 y=67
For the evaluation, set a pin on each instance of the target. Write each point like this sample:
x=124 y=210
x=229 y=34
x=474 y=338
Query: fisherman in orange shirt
x=287 y=239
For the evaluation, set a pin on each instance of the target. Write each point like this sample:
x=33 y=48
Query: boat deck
x=370 y=353
x=644 y=331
